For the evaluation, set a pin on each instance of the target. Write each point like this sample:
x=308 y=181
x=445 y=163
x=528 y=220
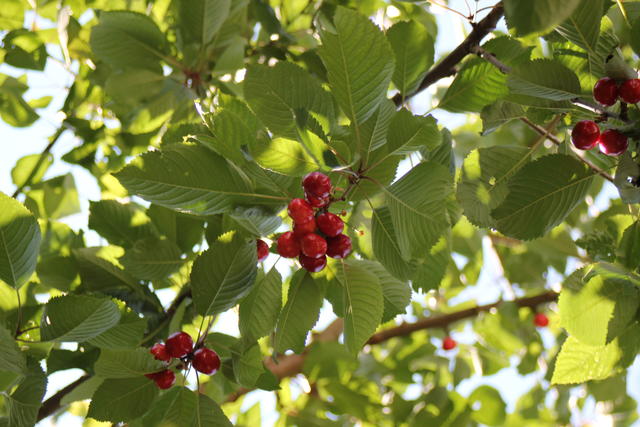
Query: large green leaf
x=19 y=242
x=583 y=26
x=483 y=180
x=541 y=195
x=629 y=249
x=24 y=402
x=122 y=399
x=544 y=78
x=126 y=39
x=77 y=318
x=256 y=221
x=126 y=363
x=121 y=224
x=54 y=198
x=181 y=406
x=419 y=217
x=209 y=414
x=180 y=177
x=11 y=358
x=286 y=156
x=385 y=244
x=359 y=63
x=299 y=314
x=127 y=334
x=491 y=410
x=152 y=259
x=259 y=310
x=408 y=133
x=372 y=134
x=200 y=20
x=528 y=17
x=223 y=274
x=578 y=362
x=413 y=48
x=396 y=293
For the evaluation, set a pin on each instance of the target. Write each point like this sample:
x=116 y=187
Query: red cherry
x=613 y=143
x=313 y=245
x=448 y=343
x=339 y=246
x=159 y=352
x=312 y=265
x=300 y=230
x=330 y=224
x=541 y=320
x=165 y=379
x=605 y=91
x=263 y=250
x=206 y=361
x=317 y=202
x=317 y=184
x=585 y=135
x=288 y=245
x=300 y=211
x=179 y=344
x=630 y=91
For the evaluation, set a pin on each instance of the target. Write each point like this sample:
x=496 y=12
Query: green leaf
x=54 y=198
x=257 y=221
x=127 y=334
x=541 y=195
x=299 y=314
x=630 y=247
x=478 y=84
x=200 y=20
x=25 y=401
x=596 y=305
x=363 y=303
x=133 y=86
x=499 y=113
x=180 y=178
x=126 y=39
x=11 y=358
x=286 y=156
x=122 y=399
x=419 y=217
x=121 y=224
x=529 y=17
x=24 y=166
x=185 y=230
x=483 y=180
x=126 y=363
x=24 y=49
x=626 y=179
x=413 y=48
x=385 y=244
x=223 y=275
x=175 y=407
x=578 y=362
x=492 y=410
x=247 y=366
x=430 y=270
x=259 y=310
x=77 y=318
x=152 y=259
x=408 y=133
x=19 y=242
x=583 y=26
x=635 y=35
x=209 y=414
x=396 y=293
x=359 y=63
x=233 y=127
x=373 y=133
x=544 y=78
x=13 y=108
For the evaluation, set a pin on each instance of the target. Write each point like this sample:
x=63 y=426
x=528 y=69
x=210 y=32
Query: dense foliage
x=199 y=120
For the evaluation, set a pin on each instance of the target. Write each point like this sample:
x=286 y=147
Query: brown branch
x=52 y=404
x=446 y=67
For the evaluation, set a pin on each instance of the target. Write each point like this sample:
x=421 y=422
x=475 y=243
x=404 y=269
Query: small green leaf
x=413 y=48
x=54 y=198
x=499 y=113
x=209 y=414
x=152 y=259
x=24 y=49
x=247 y=366
x=25 y=401
x=544 y=78
x=200 y=20
x=126 y=363
x=122 y=399
x=492 y=410
x=528 y=17
x=630 y=247
x=286 y=156
x=24 y=166
x=121 y=224
x=11 y=358
x=408 y=133
x=127 y=334
x=385 y=244
x=257 y=221
x=583 y=26
x=396 y=293
x=19 y=242
x=259 y=310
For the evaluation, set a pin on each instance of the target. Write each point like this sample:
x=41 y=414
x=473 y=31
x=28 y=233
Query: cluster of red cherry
x=179 y=345
x=540 y=320
x=586 y=133
x=316 y=231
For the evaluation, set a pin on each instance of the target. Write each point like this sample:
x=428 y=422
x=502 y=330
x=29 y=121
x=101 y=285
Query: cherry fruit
x=613 y=143
x=206 y=361
x=317 y=202
x=263 y=250
x=448 y=343
x=339 y=246
x=165 y=379
x=630 y=91
x=330 y=224
x=540 y=320
x=179 y=344
x=288 y=245
x=313 y=245
x=159 y=352
x=585 y=135
x=313 y=265
x=300 y=230
x=300 y=211
x=317 y=184
x=605 y=91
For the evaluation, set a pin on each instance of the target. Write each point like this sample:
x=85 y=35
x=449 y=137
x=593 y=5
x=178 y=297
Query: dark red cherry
x=179 y=344
x=339 y=246
x=312 y=265
x=263 y=250
x=585 y=135
x=159 y=352
x=605 y=91
x=330 y=224
x=300 y=230
x=313 y=245
x=317 y=184
x=206 y=361
x=165 y=379
x=300 y=210
x=317 y=202
x=613 y=143
x=448 y=343
x=540 y=320
x=630 y=91
x=288 y=245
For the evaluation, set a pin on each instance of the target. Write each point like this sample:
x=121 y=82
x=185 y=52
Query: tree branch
x=52 y=404
x=446 y=67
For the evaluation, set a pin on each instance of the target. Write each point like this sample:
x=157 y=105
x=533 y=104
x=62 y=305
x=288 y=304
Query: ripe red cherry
x=179 y=344
x=317 y=184
x=288 y=245
x=317 y=202
x=312 y=265
x=159 y=352
x=585 y=135
x=313 y=245
x=339 y=246
x=330 y=224
x=263 y=250
x=300 y=230
x=613 y=143
x=300 y=210
x=541 y=320
x=206 y=361
x=605 y=91
x=630 y=91
x=164 y=379
x=448 y=343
